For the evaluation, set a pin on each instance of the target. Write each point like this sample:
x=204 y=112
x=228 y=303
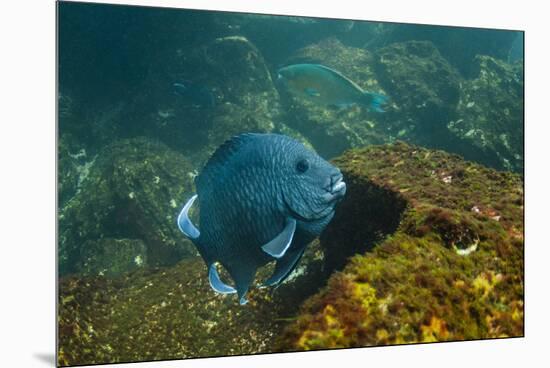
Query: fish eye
x=302 y=166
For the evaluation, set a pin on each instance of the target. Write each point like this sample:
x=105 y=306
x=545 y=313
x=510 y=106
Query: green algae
x=451 y=270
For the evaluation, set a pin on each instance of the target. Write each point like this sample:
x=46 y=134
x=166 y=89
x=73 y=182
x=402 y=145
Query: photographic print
x=238 y=183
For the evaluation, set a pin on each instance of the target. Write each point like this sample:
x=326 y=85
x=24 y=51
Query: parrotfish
x=195 y=94
x=262 y=198
x=326 y=86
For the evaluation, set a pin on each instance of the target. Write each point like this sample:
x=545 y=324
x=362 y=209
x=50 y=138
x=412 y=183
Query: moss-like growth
x=134 y=189
x=452 y=270
x=172 y=313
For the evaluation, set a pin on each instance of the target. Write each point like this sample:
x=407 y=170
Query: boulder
x=489 y=122
x=429 y=247
x=423 y=87
x=133 y=189
x=233 y=72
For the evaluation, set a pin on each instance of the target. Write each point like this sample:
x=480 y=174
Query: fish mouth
x=336 y=188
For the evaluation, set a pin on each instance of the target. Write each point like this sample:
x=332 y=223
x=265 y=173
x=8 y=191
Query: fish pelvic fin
x=216 y=283
x=184 y=223
x=278 y=246
x=374 y=101
x=284 y=267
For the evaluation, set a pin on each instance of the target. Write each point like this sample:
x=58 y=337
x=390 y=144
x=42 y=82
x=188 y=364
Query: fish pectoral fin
x=284 y=267
x=312 y=92
x=216 y=283
x=185 y=224
x=278 y=246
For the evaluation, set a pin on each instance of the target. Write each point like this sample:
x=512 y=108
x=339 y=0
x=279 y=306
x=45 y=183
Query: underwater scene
x=234 y=183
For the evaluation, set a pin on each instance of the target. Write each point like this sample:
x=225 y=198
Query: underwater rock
x=423 y=86
x=133 y=190
x=292 y=33
x=67 y=174
x=112 y=257
x=172 y=313
x=244 y=98
x=489 y=119
x=458 y=45
x=331 y=130
x=435 y=247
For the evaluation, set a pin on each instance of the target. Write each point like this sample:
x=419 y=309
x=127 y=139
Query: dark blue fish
x=262 y=197
x=325 y=86
x=195 y=94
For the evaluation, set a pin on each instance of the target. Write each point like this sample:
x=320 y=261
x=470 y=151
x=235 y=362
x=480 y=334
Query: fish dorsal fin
x=278 y=246
x=339 y=75
x=216 y=283
x=184 y=222
x=222 y=155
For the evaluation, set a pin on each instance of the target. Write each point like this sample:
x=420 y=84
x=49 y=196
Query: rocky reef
x=172 y=313
x=489 y=119
x=430 y=103
x=129 y=193
x=425 y=247
x=447 y=264
x=424 y=89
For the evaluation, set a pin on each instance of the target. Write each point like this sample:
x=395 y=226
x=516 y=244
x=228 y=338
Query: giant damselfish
x=262 y=197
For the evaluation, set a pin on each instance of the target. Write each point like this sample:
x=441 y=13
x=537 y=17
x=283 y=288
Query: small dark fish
x=195 y=94
x=263 y=197
x=326 y=86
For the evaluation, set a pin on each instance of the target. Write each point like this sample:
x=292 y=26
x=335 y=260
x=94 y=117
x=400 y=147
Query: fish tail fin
x=242 y=275
x=374 y=101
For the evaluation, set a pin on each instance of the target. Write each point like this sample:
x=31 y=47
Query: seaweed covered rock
x=133 y=190
x=228 y=90
x=73 y=159
x=423 y=86
x=446 y=263
x=275 y=46
x=458 y=45
x=330 y=130
x=490 y=115
x=172 y=313
x=68 y=172
x=112 y=257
